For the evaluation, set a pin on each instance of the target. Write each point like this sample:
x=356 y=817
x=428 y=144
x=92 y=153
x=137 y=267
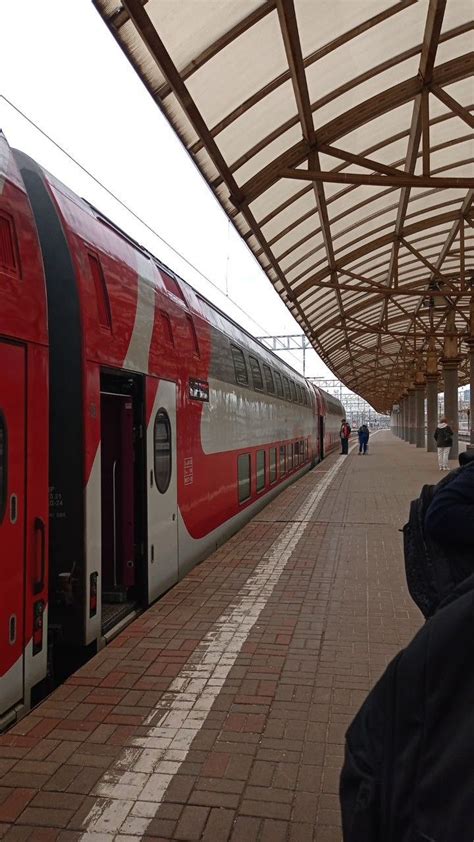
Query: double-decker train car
x=169 y=426
x=23 y=442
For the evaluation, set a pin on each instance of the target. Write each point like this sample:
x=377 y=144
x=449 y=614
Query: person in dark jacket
x=444 y=440
x=407 y=774
x=363 y=433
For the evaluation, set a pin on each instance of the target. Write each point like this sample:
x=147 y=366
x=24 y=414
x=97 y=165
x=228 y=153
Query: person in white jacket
x=444 y=439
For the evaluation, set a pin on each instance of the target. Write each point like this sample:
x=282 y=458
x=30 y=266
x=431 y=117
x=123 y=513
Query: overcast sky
x=60 y=66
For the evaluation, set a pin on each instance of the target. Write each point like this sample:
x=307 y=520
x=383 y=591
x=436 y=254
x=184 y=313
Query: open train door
x=12 y=522
x=162 y=492
x=321 y=437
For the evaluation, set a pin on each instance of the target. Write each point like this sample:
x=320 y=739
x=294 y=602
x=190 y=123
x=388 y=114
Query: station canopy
x=338 y=137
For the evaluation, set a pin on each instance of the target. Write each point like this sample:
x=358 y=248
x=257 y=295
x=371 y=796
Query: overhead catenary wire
x=139 y=219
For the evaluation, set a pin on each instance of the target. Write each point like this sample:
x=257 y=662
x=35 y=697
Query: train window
x=270 y=385
x=101 y=294
x=162 y=450
x=293 y=391
x=8 y=251
x=240 y=366
x=296 y=450
x=256 y=373
x=3 y=465
x=289 y=456
x=243 y=469
x=172 y=285
x=302 y=453
x=278 y=384
x=272 y=464
x=300 y=393
x=282 y=460
x=193 y=333
x=166 y=327
x=286 y=387
x=260 y=469
x=306 y=449
x=305 y=396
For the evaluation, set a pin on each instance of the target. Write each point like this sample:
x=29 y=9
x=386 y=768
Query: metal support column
x=431 y=411
x=420 y=414
x=405 y=434
x=411 y=416
x=450 y=374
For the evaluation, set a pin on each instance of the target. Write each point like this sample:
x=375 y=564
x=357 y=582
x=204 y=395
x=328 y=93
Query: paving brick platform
x=219 y=714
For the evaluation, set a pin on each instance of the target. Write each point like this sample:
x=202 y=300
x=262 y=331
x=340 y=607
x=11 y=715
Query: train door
x=321 y=437
x=12 y=522
x=121 y=497
x=162 y=492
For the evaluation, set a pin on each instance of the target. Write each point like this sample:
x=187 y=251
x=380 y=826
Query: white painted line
x=131 y=792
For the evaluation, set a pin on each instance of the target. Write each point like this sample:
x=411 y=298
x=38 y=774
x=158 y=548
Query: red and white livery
x=167 y=426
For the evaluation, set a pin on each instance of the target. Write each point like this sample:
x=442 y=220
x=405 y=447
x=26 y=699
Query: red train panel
x=23 y=446
x=169 y=425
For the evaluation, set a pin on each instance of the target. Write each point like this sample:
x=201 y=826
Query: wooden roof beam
x=336 y=196
x=453 y=105
x=359 y=160
x=227 y=38
x=400 y=180
x=374 y=245
x=291 y=41
x=317 y=55
x=423 y=260
x=434 y=22
x=451 y=71
x=160 y=55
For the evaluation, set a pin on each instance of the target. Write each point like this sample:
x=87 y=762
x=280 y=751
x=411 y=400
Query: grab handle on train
x=40 y=527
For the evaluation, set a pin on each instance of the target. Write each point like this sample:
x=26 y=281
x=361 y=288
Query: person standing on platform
x=444 y=439
x=344 y=434
x=363 y=433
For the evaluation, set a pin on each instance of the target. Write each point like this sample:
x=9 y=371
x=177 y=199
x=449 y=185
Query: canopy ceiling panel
x=338 y=137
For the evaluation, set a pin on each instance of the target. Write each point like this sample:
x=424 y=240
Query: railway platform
x=219 y=714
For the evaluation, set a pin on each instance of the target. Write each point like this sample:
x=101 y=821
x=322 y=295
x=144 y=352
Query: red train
x=139 y=427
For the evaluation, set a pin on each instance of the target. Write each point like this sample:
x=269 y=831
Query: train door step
x=114 y=613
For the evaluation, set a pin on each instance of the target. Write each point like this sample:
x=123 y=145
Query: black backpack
x=444 y=437
x=427 y=567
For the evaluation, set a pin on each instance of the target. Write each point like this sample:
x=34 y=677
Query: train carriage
x=23 y=445
x=169 y=425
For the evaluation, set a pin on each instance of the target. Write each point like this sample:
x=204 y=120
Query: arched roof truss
x=338 y=137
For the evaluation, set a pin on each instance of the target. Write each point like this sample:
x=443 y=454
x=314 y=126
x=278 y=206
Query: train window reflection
x=243 y=469
x=162 y=450
x=256 y=373
x=240 y=366
x=269 y=379
x=260 y=470
x=282 y=460
x=272 y=464
x=278 y=384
